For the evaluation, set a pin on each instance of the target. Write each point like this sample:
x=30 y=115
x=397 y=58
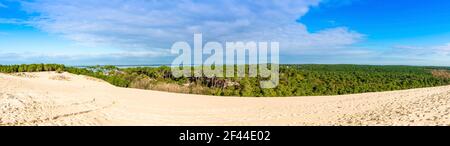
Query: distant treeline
x=295 y=80
x=31 y=68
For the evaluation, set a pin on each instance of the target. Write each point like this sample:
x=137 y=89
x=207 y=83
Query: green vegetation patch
x=295 y=80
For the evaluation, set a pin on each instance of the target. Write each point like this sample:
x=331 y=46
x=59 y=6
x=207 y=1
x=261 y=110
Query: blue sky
x=85 y=32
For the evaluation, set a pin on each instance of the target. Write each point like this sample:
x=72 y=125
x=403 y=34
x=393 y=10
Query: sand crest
x=79 y=100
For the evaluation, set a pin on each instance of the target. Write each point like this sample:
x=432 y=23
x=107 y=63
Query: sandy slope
x=45 y=99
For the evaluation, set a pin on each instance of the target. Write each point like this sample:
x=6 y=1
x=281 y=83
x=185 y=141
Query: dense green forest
x=295 y=80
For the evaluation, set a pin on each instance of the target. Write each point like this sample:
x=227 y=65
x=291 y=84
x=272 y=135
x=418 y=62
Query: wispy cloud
x=152 y=24
x=417 y=55
x=438 y=50
x=14 y=21
x=117 y=57
x=3 y=5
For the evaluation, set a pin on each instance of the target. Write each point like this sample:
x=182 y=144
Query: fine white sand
x=48 y=98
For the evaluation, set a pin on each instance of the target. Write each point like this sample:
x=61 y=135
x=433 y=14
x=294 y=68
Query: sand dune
x=48 y=98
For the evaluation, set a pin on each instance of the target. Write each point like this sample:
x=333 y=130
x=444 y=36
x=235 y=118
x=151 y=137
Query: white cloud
x=442 y=50
x=115 y=57
x=124 y=54
x=148 y=24
x=421 y=51
x=418 y=55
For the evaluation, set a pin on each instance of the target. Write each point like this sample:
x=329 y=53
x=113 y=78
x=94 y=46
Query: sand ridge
x=49 y=98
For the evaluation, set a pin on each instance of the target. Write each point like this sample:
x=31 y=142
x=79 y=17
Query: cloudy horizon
x=124 y=32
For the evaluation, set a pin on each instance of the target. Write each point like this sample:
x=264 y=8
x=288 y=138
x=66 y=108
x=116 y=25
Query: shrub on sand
x=60 y=78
